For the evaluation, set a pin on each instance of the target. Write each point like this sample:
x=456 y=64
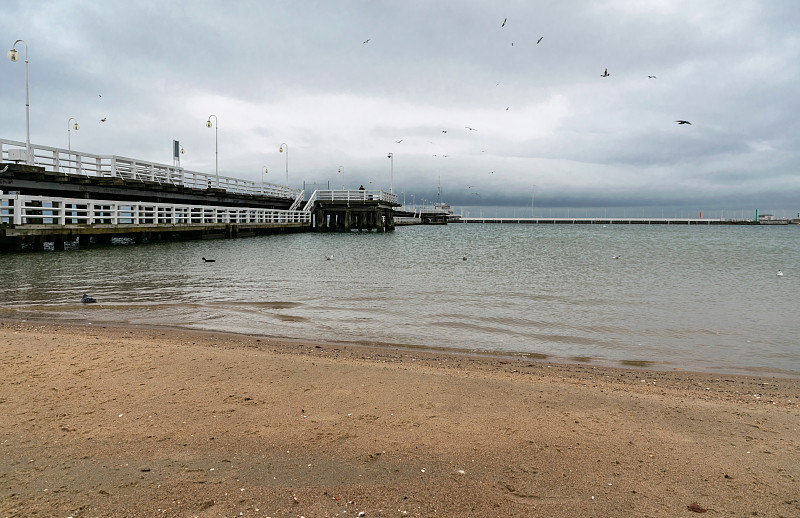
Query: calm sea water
x=691 y=297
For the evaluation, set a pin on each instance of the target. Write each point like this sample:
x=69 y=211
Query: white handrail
x=358 y=195
x=130 y=169
x=310 y=204
x=20 y=209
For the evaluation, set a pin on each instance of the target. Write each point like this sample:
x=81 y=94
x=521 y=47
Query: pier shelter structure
x=360 y=210
x=69 y=196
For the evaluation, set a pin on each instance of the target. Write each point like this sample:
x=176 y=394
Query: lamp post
x=216 y=143
x=341 y=171
x=532 y=188
x=265 y=171
x=69 y=127
x=287 y=161
x=13 y=55
x=391 y=173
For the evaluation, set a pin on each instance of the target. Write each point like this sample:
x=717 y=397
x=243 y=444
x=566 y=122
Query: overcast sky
x=345 y=83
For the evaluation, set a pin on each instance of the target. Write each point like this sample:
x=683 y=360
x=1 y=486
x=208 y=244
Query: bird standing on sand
x=605 y=74
x=86 y=299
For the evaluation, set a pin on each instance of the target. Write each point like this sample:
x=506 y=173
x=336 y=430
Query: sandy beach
x=124 y=421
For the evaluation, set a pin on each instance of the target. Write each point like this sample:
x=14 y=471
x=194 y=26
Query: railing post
x=19 y=203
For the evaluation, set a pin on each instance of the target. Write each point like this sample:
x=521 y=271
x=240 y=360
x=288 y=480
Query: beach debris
x=464 y=258
x=696 y=508
x=329 y=257
x=209 y=260
x=86 y=299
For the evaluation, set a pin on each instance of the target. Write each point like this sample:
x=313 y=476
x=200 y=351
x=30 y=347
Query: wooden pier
x=71 y=197
x=360 y=210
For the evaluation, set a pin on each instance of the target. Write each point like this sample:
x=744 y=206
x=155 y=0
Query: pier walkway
x=69 y=196
x=131 y=170
x=602 y=221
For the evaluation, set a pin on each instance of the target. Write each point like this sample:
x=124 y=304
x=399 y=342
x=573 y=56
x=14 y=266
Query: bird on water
x=86 y=299
x=209 y=260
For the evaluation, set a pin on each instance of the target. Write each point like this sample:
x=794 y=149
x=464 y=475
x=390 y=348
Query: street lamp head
x=13 y=55
x=390 y=155
x=75 y=126
x=280 y=150
x=208 y=123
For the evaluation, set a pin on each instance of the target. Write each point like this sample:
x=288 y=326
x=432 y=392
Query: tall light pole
x=391 y=172
x=69 y=127
x=341 y=171
x=284 y=145
x=265 y=171
x=13 y=55
x=216 y=141
x=532 y=188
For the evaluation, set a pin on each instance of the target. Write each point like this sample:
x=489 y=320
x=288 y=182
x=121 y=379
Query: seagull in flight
x=539 y=40
x=366 y=41
x=684 y=122
x=504 y=22
x=491 y=172
x=444 y=131
x=103 y=119
x=652 y=77
x=398 y=141
x=471 y=129
x=605 y=74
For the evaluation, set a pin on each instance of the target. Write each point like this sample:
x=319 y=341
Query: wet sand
x=125 y=421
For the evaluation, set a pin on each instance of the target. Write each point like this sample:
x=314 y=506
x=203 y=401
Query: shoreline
x=633 y=364
x=138 y=420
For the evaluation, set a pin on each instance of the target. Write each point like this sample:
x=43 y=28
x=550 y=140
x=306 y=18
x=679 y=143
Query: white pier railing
x=359 y=195
x=18 y=209
x=130 y=169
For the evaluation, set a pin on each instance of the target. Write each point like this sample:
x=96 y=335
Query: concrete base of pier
x=61 y=237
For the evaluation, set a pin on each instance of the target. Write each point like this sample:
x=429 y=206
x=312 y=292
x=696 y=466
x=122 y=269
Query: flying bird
x=471 y=129
x=605 y=74
x=507 y=107
x=652 y=77
x=684 y=122
x=444 y=131
x=491 y=172
x=539 y=40
x=504 y=22
x=398 y=141
x=365 y=41
x=103 y=119
x=469 y=186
